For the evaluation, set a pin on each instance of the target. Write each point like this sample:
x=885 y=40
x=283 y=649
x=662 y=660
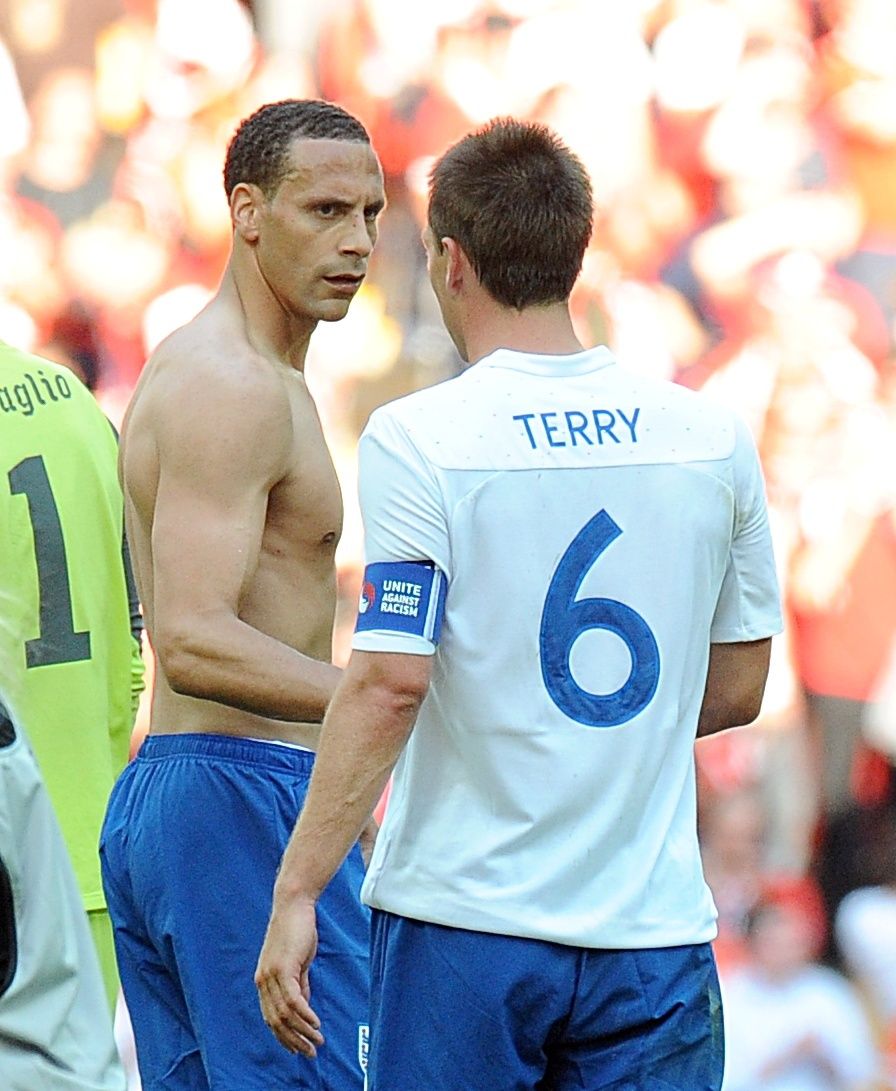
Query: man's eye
x=327 y=210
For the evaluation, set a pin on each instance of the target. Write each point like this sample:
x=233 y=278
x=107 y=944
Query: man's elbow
x=395 y=684
x=738 y=711
x=745 y=710
x=397 y=700
x=184 y=661
x=735 y=684
x=401 y=701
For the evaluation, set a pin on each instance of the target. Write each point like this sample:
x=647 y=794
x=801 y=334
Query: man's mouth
x=345 y=282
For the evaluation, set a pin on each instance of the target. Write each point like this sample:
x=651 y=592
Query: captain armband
x=405 y=597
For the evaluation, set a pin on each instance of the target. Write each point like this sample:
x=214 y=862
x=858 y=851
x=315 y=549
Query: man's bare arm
x=219 y=456
x=735 y=683
x=366 y=728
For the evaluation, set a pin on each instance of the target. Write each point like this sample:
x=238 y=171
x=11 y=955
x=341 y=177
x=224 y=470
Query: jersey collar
x=577 y=363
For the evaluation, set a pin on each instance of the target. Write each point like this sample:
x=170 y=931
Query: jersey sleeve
x=406 y=545
x=749 y=605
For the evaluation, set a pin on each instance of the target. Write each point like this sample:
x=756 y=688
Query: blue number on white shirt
x=563 y=621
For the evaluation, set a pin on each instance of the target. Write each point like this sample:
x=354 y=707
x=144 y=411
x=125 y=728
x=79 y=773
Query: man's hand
x=282 y=977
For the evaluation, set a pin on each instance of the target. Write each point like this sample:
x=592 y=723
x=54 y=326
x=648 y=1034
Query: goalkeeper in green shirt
x=70 y=659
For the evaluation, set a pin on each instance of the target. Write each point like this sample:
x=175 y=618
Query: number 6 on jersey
x=565 y=618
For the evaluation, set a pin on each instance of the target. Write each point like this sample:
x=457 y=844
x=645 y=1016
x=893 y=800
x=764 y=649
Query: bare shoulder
x=205 y=388
x=207 y=369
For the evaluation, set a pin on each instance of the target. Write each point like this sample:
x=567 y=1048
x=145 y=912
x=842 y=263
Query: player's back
x=65 y=633
x=589 y=522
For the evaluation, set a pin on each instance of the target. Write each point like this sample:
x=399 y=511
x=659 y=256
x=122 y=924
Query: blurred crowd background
x=743 y=154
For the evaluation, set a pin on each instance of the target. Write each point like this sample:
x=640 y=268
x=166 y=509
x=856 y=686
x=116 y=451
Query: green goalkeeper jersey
x=68 y=613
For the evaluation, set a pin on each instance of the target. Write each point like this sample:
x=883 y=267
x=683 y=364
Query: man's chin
x=333 y=309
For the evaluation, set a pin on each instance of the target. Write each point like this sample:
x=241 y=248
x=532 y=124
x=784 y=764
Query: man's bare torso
x=289 y=590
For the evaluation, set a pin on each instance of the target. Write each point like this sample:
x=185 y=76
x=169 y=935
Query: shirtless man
x=234 y=512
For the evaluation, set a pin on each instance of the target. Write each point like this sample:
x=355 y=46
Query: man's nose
x=357 y=238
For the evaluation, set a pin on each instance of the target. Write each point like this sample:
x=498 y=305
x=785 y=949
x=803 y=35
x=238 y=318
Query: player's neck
x=543 y=330
x=270 y=328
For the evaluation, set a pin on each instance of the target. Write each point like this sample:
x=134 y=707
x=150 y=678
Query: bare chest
x=304 y=517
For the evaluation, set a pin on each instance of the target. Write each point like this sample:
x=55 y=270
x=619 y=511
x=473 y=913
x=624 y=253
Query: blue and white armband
x=401 y=608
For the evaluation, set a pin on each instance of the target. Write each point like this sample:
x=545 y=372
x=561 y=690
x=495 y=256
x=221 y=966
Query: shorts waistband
x=225 y=748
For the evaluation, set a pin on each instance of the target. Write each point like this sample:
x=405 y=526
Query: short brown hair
x=519 y=204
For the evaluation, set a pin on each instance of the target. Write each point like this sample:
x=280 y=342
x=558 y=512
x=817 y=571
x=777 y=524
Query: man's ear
x=245 y=202
x=458 y=269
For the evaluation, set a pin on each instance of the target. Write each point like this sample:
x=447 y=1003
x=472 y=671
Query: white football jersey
x=596 y=531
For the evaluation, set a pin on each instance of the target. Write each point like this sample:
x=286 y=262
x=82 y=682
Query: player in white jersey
x=55 y=1026
x=569 y=577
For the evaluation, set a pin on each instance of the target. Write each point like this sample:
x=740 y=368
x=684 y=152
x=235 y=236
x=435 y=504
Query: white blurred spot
x=171 y=310
x=696 y=57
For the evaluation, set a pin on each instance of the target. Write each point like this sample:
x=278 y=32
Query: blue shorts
x=190 y=847
x=472 y=1011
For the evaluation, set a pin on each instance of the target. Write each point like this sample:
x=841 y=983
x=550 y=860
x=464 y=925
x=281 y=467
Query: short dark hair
x=259 y=150
x=519 y=204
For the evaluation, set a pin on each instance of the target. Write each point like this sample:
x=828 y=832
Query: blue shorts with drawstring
x=193 y=836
